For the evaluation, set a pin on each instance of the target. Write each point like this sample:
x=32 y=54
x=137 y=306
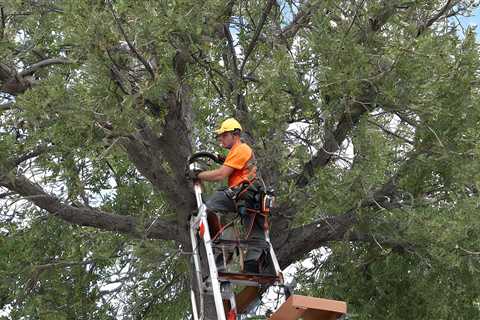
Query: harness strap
x=250 y=228
x=222 y=229
x=244 y=189
x=265 y=222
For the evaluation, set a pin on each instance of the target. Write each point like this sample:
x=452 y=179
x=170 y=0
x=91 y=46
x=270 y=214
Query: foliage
x=364 y=115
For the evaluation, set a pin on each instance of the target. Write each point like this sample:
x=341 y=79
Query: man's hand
x=192 y=174
x=221 y=158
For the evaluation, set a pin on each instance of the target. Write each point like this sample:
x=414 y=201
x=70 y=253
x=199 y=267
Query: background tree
x=364 y=116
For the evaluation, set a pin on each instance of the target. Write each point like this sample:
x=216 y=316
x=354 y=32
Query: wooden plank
x=309 y=308
x=287 y=311
x=261 y=279
x=319 y=304
x=246 y=297
x=311 y=314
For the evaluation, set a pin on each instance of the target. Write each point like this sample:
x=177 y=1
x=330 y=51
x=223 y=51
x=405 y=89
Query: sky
x=474 y=20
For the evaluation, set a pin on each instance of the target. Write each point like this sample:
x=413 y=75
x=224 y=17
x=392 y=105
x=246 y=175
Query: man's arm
x=216 y=175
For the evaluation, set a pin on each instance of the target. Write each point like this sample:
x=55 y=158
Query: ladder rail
x=200 y=221
x=194 y=305
x=217 y=295
x=276 y=265
x=198 y=272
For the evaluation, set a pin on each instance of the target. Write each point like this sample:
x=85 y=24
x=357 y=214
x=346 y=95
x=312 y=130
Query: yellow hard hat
x=228 y=125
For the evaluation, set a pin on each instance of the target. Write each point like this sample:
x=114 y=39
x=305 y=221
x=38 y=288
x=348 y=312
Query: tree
x=363 y=115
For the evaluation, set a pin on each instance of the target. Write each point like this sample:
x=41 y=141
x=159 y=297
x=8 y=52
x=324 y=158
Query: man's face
x=226 y=139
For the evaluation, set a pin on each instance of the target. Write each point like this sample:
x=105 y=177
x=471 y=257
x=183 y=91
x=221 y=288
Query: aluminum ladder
x=220 y=284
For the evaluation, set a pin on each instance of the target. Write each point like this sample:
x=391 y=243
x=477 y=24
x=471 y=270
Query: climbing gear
x=199 y=155
x=267 y=200
x=228 y=125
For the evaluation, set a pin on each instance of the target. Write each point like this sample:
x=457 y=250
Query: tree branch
x=448 y=5
x=231 y=48
x=4 y=21
x=145 y=151
x=353 y=112
x=391 y=133
x=6 y=106
x=32 y=154
x=333 y=141
x=301 y=240
x=16 y=83
x=89 y=217
x=130 y=45
x=294 y=243
x=260 y=25
x=42 y=64
x=300 y=20
x=5 y=72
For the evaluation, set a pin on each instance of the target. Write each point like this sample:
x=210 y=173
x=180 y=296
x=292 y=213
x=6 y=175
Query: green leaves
x=361 y=89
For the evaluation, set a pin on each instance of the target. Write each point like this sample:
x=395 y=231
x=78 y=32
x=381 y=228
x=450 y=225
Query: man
x=239 y=167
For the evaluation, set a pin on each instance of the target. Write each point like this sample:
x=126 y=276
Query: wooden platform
x=249 y=279
x=309 y=308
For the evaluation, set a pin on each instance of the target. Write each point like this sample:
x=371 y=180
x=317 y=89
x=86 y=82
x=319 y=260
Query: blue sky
x=473 y=20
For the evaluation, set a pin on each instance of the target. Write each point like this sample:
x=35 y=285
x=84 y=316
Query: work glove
x=221 y=158
x=192 y=174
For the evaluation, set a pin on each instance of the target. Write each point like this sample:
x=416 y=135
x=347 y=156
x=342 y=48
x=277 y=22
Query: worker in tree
x=242 y=194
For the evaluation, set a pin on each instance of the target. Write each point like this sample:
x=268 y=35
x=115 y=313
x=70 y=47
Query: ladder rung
x=260 y=244
x=207 y=289
x=248 y=278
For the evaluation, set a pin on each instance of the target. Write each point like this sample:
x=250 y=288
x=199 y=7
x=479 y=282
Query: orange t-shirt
x=241 y=159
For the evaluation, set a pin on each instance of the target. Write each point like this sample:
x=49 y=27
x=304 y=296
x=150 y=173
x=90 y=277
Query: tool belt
x=250 y=194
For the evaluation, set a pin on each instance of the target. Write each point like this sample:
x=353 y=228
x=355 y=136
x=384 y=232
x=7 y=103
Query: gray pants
x=220 y=203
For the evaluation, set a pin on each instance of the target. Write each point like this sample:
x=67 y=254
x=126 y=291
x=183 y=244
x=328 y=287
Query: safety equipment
x=220 y=158
x=192 y=174
x=212 y=156
x=229 y=125
x=267 y=200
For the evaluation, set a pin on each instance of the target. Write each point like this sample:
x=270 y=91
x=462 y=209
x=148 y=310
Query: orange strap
x=250 y=182
x=222 y=229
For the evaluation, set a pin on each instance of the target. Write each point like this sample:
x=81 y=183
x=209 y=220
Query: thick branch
x=145 y=151
x=5 y=72
x=16 y=83
x=304 y=239
x=42 y=64
x=334 y=140
x=427 y=24
x=231 y=48
x=294 y=243
x=32 y=154
x=88 y=217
